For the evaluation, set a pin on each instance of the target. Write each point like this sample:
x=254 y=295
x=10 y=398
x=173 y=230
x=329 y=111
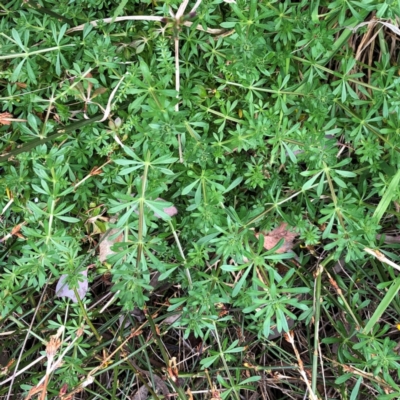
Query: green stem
x=178 y=243
x=178 y=389
x=141 y=210
x=86 y=317
x=51 y=217
x=28 y=54
x=333 y=194
x=221 y=353
x=317 y=316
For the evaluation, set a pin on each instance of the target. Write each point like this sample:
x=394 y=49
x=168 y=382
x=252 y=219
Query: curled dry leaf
x=63 y=290
x=272 y=238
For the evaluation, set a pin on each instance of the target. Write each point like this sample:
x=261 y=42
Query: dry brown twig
x=381 y=257
x=16 y=372
x=290 y=338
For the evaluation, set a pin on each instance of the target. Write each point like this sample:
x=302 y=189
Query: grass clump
x=222 y=176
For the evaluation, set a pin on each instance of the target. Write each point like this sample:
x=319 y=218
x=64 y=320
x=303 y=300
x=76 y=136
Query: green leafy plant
x=249 y=120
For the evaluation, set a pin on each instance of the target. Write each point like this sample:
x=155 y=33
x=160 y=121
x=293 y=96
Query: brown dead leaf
x=171 y=319
x=215 y=394
x=107 y=242
x=172 y=370
x=16 y=229
x=63 y=390
x=141 y=394
x=5 y=118
x=99 y=91
x=21 y=85
x=272 y=238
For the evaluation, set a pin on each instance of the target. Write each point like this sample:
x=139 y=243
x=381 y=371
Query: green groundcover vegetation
x=217 y=183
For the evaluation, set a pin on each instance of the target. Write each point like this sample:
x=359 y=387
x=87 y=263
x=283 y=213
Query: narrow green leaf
x=166 y=159
x=251 y=380
x=310 y=182
x=383 y=305
x=188 y=188
x=127 y=171
x=17 y=39
x=127 y=162
x=36 y=209
x=67 y=219
x=39 y=189
x=158 y=208
x=387 y=197
x=206 y=362
x=239 y=285
x=17 y=70
x=314 y=12
x=234 y=184
x=356 y=389
x=346 y=174
x=339 y=182
x=235 y=350
x=167 y=273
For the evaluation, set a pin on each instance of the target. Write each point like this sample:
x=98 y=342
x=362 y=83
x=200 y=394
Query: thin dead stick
x=53 y=365
x=6 y=119
x=211 y=31
x=381 y=257
x=181 y=9
x=195 y=7
x=109 y=302
x=118 y=19
x=7 y=205
x=78 y=28
x=9 y=394
x=290 y=338
x=51 y=349
x=112 y=95
x=94 y=171
x=392 y=27
x=21 y=371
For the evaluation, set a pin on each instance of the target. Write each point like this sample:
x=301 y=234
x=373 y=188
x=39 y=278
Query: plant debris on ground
x=199 y=199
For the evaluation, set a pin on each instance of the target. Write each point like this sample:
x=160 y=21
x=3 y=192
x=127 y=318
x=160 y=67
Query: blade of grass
x=387 y=198
x=317 y=317
x=384 y=304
